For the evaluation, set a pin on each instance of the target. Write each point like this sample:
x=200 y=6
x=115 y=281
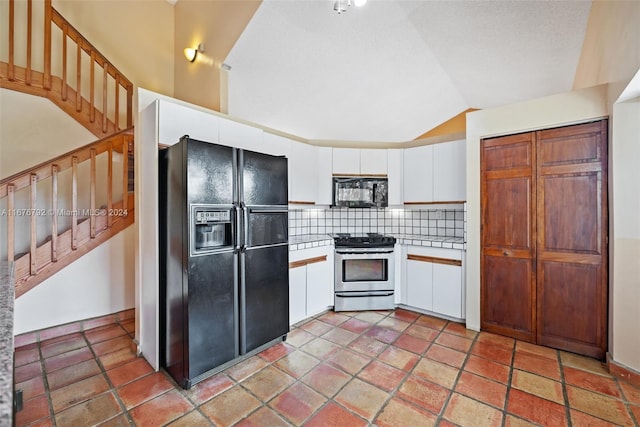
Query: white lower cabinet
x=297 y=294
x=434 y=280
x=310 y=282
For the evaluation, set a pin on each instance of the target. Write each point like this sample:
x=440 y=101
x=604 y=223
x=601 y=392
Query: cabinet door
x=297 y=294
x=395 y=175
x=275 y=145
x=303 y=173
x=420 y=284
x=346 y=161
x=447 y=290
x=319 y=287
x=325 y=171
x=449 y=171
x=234 y=134
x=373 y=162
x=418 y=174
x=175 y=120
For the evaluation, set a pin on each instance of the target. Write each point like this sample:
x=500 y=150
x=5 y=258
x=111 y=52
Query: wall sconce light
x=191 y=54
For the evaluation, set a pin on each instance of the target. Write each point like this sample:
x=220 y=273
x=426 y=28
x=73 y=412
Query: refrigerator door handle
x=236 y=307
x=260 y=210
x=243 y=302
x=245 y=213
x=237 y=227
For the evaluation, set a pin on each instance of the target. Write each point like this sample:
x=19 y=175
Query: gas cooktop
x=368 y=240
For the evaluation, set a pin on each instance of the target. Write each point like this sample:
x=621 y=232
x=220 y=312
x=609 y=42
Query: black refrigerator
x=224 y=256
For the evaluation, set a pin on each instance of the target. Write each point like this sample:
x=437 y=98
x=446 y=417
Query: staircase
x=54 y=212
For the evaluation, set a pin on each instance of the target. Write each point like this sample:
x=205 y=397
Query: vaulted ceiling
x=394 y=69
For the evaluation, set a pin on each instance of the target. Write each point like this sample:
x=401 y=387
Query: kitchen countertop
x=6 y=344
x=431 y=241
x=306 y=241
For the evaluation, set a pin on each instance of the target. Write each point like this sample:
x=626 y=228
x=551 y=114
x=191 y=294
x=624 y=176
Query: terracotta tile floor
x=338 y=369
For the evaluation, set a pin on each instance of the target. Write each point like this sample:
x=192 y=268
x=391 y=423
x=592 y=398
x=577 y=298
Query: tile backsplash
x=431 y=222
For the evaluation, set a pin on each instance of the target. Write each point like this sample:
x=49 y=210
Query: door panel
x=571 y=242
x=508 y=191
x=267 y=227
x=212 y=312
x=508 y=304
x=420 y=284
x=573 y=144
x=569 y=311
x=507 y=156
x=209 y=173
x=265 y=294
x=567 y=198
x=264 y=179
x=507 y=213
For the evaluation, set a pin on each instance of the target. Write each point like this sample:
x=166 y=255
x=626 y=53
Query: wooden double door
x=544 y=237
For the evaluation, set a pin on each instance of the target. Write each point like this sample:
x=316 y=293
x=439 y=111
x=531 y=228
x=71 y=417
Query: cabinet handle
x=506 y=253
x=434 y=260
x=303 y=262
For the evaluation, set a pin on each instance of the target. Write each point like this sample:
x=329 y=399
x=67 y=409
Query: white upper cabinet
x=373 y=162
x=275 y=145
x=325 y=161
x=395 y=175
x=235 y=134
x=175 y=121
x=450 y=171
x=346 y=161
x=418 y=174
x=303 y=173
x=355 y=161
x=435 y=173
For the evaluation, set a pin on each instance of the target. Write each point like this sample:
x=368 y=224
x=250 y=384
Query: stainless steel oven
x=364 y=276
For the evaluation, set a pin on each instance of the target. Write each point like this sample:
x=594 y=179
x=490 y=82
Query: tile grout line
x=565 y=392
x=45 y=381
x=297 y=380
x=325 y=360
x=458 y=375
x=509 y=381
x=394 y=392
x=352 y=376
x=112 y=388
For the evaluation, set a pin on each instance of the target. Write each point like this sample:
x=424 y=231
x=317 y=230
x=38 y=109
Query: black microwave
x=360 y=192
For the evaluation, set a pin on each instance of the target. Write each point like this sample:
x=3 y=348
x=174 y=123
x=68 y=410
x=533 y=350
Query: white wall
x=550 y=111
x=625 y=230
x=25 y=143
x=99 y=283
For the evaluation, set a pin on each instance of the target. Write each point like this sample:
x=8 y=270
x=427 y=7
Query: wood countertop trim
x=434 y=260
x=303 y=262
x=444 y=202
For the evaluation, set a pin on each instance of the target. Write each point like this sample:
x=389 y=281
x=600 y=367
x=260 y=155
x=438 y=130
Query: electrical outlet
x=439 y=214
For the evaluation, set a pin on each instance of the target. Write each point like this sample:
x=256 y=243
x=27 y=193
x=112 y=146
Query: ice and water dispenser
x=211 y=228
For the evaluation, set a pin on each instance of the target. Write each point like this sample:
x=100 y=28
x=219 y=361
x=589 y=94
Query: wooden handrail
x=97 y=58
x=79 y=101
x=59 y=247
x=62 y=162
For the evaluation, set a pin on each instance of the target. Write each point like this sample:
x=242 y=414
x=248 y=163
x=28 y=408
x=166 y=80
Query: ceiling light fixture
x=192 y=53
x=341 y=6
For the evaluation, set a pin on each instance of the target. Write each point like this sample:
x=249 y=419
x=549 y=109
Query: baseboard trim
x=623 y=372
x=73 y=327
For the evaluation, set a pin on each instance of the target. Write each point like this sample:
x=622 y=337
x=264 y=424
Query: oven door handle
x=357 y=252
x=363 y=294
